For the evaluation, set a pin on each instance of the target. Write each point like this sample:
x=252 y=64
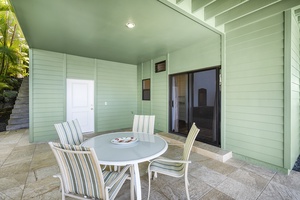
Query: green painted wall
x=291 y=90
x=194 y=57
x=159 y=96
x=47 y=93
x=80 y=67
x=116 y=85
x=254 y=90
x=48 y=74
x=145 y=73
x=197 y=56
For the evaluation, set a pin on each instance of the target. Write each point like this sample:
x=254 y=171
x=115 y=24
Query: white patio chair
x=175 y=168
x=81 y=177
x=69 y=132
x=143 y=124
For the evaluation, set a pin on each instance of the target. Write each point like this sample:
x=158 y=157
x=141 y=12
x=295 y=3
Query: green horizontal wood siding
x=197 y=56
x=159 y=96
x=255 y=90
x=117 y=86
x=146 y=106
x=139 y=88
x=80 y=68
x=47 y=94
x=291 y=89
x=194 y=57
x=115 y=83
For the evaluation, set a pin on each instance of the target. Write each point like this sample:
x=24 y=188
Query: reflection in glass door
x=196 y=98
x=180 y=104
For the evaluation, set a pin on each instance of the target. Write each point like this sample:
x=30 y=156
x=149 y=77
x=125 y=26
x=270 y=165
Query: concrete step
x=199 y=147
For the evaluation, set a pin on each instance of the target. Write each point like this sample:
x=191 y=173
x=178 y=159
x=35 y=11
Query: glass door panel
x=205 y=105
x=180 y=104
x=195 y=97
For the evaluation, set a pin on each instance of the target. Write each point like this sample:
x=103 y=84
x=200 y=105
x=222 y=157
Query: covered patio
x=26 y=171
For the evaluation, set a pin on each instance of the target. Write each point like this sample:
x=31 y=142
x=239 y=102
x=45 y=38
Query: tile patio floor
x=26 y=173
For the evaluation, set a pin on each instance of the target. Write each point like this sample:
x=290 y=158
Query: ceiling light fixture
x=130 y=25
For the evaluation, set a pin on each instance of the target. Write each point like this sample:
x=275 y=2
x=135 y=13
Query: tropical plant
x=13 y=47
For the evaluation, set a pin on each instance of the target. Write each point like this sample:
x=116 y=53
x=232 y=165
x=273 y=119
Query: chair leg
x=155 y=175
x=186 y=182
x=187 y=189
x=61 y=187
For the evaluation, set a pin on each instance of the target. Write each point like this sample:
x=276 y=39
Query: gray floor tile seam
x=210 y=190
x=221 y=182
x=228 y=178
x=262 y=191
x=15 y=144
x=30 y=167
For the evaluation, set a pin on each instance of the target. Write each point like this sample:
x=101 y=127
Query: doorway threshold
x=201 y=148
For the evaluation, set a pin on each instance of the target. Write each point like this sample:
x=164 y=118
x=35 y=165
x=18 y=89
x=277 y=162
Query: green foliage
x=4 y=86
x=13 y=47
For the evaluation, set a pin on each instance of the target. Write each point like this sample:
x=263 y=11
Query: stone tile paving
x=26 y=172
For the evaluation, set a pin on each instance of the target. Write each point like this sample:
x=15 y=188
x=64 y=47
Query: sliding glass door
x=195 y=97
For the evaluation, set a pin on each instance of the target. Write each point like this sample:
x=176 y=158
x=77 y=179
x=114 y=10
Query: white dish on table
x=124 y=140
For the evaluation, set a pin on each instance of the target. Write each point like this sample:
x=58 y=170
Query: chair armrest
x=57 y=176
x=174 y=144
x=171 y=161
x=120 y=175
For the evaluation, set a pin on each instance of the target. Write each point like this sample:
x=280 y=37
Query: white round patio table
x=110 y=152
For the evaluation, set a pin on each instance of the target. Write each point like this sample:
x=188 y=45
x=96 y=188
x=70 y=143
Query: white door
x=80 y=103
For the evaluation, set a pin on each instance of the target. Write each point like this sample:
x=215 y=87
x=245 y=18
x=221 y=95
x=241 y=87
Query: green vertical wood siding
x=115 y=83
x=254 y=90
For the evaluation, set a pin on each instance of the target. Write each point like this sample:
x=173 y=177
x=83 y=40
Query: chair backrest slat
x=80 y=170
x=69 y=132
x=143 y=124
x=190 y=141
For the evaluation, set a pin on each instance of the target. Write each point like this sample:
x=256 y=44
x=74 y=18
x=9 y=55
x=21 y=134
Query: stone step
x=22 y=101
x=24 y=109
x=20 y=106
x=23 y=94
x=16 y=127
x=199 y=147
x=16 y=121
x=19 y=117
x=19 y=114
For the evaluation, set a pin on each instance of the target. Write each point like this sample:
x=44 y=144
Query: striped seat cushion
x=168 y=168
x=81 y=175
x=110 y=176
